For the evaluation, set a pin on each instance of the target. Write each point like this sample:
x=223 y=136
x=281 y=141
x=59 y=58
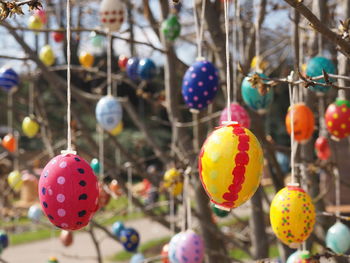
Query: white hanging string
x=235 y=42
x=199 y=26
x=228 y=77
x=322 y=129
x=129 y=171
x=188 y=201
x=337 y=192
x=109 y=63
x=292 y=98
x=257 y=37
x=101 y=151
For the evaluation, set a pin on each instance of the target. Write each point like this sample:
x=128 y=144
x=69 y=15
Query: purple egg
x=190 y=248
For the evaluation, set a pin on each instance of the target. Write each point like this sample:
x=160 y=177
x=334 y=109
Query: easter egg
x=86 y=59
x=8 y=78
x=230 y=165
x=137 y=258
x=164 y=253
x=200 y=84
x=292 y=215
x=104 y=196
x=173 y=181
x=47 y=56
x=112 y=14
x=4 y=239
x=315 y=68
x=41 y=13
x=9 y=142
x=173 y=245
x=251 y=95
x=323 y=151
x=337 y=119
x=190 y=248
x=118 y=129
x=35 y=22
x=58 y=37
x=338 y=238
x=66 y=238
x=171 y=28
x=108 y=112
x=117 y=227
x=238 y=114
x=132 y=68
x=122 y=62
x=304 y=122
x=30 y=127
x=219 y=212
x=96 y=40
x=294 y=257
x=95 y=165
x=262 y=63
x=115 y=188
x=146 y=69
x=52 y=260
x=130 y=239
x=68 y=191
x=35 y=213
x=15 y=181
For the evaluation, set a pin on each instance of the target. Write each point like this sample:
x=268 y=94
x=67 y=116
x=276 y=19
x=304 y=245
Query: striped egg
x=8 y=78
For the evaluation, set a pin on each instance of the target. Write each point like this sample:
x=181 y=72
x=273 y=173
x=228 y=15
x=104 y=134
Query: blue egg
x=200 y=84
x=108 y=112
x=130 y=239
x=117 y=227
x=173 y=244
x=132 y=68
x=146 y=69
x=253 y=98
x=314 y=68
x=35 y=213
x=294 y=257
x=4 y=240
x=8 y=78
x=137 y=258
x=338 y=238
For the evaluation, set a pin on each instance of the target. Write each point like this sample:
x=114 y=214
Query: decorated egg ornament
x=190 y=248
x=338 y=238
x=132 y=68
x=97 y=41
x=15 y=181
x=122 y=62
x=146 y=69
x=294 y=257
x=252 y=97
x=137 y=258
x=35 y=22
x=314 y=68
x=112 y=14
x=173 y=245
x=30 y=127
x=4 y=240
x=171 y=28
x=53 y=260
x=58 y=37
x=337 y=118
x=86 y=59
x=117 y=227
x=95 y=165
x=304 y=122
x=130 y=239
x=9 y=142
x=238 y=114
x=200 y=84
x=292 y=215
x=8 y=78
x=66 y=238
x=35 y=213
x=47 y=56
x=230 y=165
x=108 y=112
x=323 y=151
x=173 y=181
x=68 y=191
x=164 y=253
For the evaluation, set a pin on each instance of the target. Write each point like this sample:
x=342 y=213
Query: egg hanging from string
x=323 y=151
x=41 y=13
x=66 y=238
x=190 y=248
x=95 y=165
x=115 y=188
x=219 y=212
x=171 y=27
x=255 y=93
x=132 y=68
x=263 y=64
x=30 y=127
x=164 y=253
x=112 y=14
x=146 y=69
x=118 y=129
x=47 y=56
x=86 y=59
x=294 y=257
x=315 y=67
x=292 y=215
x=173 y=182
x=122 y=62
x=200 y=84
x=173 y=245
x=130 y=239
x=9 y=142
x=238 y=114
x=35 y=22
x=14 y=179
x=108 y=112
x=230 y=165
x=35 y=213
x=97 y=41
x=57 y=36
x=68 y=191
x=104 y=196
x=337 y=119
x=8 y=78
x=117 y=227
x=137 y=258
x=338 y=238
x=304 y=122
x=4 y=240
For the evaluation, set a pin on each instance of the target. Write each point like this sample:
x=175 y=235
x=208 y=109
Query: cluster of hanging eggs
x=230 y=165
x=337 y=119
x=173 y=182
x=140 y=69
x=8 y=78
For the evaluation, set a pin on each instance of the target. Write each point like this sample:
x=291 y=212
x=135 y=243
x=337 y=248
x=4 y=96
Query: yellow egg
x=86 y=59
x=292 y=215
x=30 y=127
x=118 y=129
x=262 y=63
x=230 y=165
x=173 y=181
x=35 y=22
x=47 y=56
x=14 y=179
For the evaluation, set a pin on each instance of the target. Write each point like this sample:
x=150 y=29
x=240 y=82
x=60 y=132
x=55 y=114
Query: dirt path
x=82 y=249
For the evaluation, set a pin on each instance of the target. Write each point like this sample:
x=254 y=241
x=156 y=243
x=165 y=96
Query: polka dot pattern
x=130 y=239
x=190 y=248
x=200 y=84
x=112 y=14
x=67 y=193
x=337 y=119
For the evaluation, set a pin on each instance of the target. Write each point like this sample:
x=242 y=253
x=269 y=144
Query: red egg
x=322 y=148
x=9 y=142
x=338 y=119
x=165 y=251
x=58 y=37
x=68 y=191
x=122 y=62
x=66 y=238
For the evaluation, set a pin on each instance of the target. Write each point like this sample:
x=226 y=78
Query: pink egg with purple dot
x=67 y=191
x=190 y=248
x=238 y=114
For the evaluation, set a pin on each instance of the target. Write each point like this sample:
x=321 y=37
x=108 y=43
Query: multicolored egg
x=337 y=119
x=35 y=23
x=130 y=239
x=303 y=120
x=171 y=28
x=30 y=127
x=8 y=78
x=314 y=68
x=219 y=212
x=323 y=151
x=112 y=14
x=230 y=165
x=173 y=181
x=122 y=62
x=14 y=179
x=117 y=227
x=66 y=238
x=200 y=84
x=95 y=165
x=35 y=213
x=86 y=59
x=252 y=97
x=58 y=37
x=190 y=248
x=164 y=253
x=238 y=114
x=108 y=112
x=68 y=191
x=47 y=56
x=338 y=238
x=9 y=142
x=4 y=240
x=173 y=245
x=292 y=215
x=132 y=68
x=146 y=69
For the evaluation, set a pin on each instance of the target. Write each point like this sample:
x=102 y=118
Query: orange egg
x=115 y=188
x=9 y=142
